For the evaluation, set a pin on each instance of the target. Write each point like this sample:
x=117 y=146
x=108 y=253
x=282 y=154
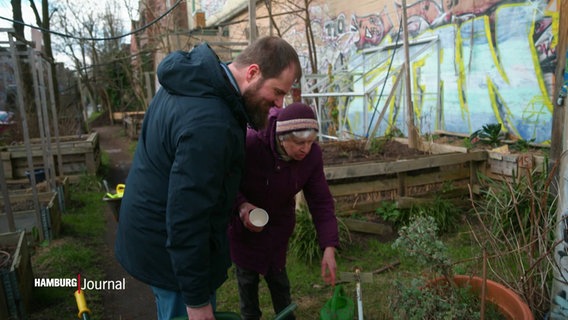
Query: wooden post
x=412 y=132
x=558 y=113
x=26 y=133
x=252 y=21
x=55 y=123
x=560 y=274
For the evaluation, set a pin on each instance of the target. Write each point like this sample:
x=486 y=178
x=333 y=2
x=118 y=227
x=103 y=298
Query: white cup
x=258 y=217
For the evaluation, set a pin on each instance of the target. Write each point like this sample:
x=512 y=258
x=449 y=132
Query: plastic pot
x=509 y=303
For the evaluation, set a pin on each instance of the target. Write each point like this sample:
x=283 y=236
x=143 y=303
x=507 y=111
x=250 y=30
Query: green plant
x=445 y=214
x=419 y=239
x=467 y=142
x=421 y=299
x=304 y=244
x=488 y=134
x=378 y=145
x=515 y=225
x=78 y=250
x=389 y=211
x=522 y=145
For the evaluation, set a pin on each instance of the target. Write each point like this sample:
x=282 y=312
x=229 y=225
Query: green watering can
x=339 y=307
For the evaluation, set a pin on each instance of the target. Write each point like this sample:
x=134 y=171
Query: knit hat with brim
x=296 y=117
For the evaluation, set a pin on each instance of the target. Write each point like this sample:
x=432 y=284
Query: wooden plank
x=391 y=183
x=25 y=194
x=345 y=189
x=21 y=268
x=379 y=168
x=438 y=177
x=502 y=167
x=361 y=205
x=367 y=227
x=435 y=148
x=409 y=202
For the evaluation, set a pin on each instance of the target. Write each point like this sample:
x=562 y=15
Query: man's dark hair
x=273 y=55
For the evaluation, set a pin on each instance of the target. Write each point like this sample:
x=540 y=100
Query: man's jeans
x=170 y=303
x=279 y=287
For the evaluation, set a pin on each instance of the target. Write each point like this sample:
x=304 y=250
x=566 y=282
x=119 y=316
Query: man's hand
x=328 y=266
x=202 y=313
x=244 y=214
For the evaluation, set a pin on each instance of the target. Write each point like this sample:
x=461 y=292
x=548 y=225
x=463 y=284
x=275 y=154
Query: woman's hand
x=244 y=214
x=328 y=266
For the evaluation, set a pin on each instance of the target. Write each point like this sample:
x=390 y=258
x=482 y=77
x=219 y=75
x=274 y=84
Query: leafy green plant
x=421 y=299
x=389 y=211
x=445 y=214
x=522 y=145
x=419 y=239
x=467 y=142
x=304 y=244
x=378 y=145
x=488 y=134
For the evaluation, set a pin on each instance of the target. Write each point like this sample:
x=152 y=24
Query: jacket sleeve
x=197 y=185
x=320 y=203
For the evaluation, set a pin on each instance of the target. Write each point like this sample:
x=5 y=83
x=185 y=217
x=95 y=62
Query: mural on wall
x=491 y=63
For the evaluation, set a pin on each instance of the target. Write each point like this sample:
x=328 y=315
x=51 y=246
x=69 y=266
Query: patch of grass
x=132 y=147
x=304 y=244
x=77 y=251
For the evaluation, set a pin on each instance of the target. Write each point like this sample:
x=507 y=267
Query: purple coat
x=271 y=183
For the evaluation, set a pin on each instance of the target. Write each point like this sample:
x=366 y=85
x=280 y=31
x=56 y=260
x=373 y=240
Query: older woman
x=281 y=160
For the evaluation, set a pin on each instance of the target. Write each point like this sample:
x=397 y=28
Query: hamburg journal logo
x=80 y=283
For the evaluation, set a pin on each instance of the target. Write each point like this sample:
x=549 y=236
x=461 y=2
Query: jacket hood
x=180 y=68
x=268 y=134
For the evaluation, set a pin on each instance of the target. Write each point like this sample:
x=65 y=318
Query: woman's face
x=297 y=147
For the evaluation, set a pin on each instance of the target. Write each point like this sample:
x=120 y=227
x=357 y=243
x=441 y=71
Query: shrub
x=304 y=242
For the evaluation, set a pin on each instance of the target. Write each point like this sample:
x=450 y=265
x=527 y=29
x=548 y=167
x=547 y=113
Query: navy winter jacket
x=184 y=178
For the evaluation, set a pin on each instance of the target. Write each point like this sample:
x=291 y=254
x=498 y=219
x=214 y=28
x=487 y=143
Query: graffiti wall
x=490 y=61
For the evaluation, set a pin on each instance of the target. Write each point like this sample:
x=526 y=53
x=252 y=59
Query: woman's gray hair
x=302 y=134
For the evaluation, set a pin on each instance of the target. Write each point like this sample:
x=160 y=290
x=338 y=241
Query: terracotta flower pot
x=510 y=304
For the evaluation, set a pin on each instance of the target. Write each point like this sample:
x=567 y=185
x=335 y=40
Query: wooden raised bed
x=503 y=166
x=62 y=189
x=80 y=155
x=16 y=277
x=361 y=186
x=25 y=216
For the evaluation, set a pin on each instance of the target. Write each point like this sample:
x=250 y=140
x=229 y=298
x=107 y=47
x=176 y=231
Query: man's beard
x=256 y=107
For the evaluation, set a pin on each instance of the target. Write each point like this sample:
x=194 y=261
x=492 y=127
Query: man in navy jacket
x=187 y=167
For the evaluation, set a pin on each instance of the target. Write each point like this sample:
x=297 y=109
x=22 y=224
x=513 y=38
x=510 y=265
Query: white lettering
x=104 y=284
x=55 y=282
